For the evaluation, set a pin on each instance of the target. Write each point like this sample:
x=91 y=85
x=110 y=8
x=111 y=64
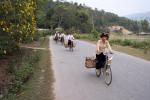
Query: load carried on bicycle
x=102 y=61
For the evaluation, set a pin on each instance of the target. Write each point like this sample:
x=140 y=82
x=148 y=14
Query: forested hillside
x=79 y=17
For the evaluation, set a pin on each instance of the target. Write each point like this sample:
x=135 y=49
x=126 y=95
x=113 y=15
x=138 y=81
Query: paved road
x=131 y=76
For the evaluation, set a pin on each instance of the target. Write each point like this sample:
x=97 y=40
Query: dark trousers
x=56 y=38
x=62 y=39
x=69 y=42
x=100 y=61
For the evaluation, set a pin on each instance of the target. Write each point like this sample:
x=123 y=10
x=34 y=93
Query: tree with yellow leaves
x=17 y=22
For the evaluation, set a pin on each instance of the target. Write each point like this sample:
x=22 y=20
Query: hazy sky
x=120 y=7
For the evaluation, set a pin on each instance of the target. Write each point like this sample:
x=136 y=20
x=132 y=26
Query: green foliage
x=10 y=97
x=17 y=23
x=42 y=33
x=7 y=46
x=145 y=25
x=144 y=45
x=85 y=37
x=77 y=36
x=133 y=43
x=22 y=71
x=67 y=15
x=82 y=17
x=95 y=34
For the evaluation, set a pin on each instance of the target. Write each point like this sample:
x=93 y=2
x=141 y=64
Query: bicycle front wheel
x=108 y=75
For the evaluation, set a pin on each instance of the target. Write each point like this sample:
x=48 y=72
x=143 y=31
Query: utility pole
x=140 y=30
x=93 y=22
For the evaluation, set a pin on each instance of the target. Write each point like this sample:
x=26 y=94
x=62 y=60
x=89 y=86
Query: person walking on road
x=56 y=36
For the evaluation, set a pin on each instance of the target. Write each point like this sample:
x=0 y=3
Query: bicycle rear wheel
x=108 y=75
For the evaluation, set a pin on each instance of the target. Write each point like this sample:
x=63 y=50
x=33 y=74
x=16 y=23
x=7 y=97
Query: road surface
x=131 y=75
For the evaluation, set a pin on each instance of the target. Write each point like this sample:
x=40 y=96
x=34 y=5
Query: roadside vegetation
x=17 y=26
x=40 y=87
x=20 y=69
x=133 y=45
x=29 y=74
x=26 y=74
x=18 y=63
x=143 y=45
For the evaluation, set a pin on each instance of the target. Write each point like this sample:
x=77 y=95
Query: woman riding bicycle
x=62 y=37
x=101 y=48
x=56 y=36
x=70 y=38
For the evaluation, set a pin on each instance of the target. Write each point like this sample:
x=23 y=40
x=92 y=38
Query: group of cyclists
x=65 y=39
x=102 y=47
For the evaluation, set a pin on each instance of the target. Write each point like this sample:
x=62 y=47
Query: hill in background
x=140 y=16
x=80 y=18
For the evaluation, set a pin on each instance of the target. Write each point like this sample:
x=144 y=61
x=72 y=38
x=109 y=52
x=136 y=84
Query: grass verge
x=40 y=87
x=132 y=51
x=32 y=74
x=138 y=51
